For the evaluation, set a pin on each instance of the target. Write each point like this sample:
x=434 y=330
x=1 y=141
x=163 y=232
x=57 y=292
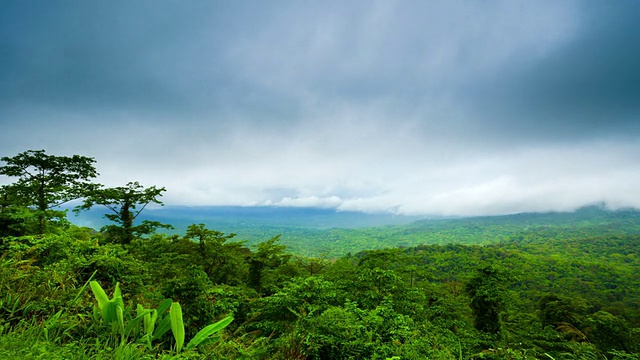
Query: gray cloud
x=416 y=107
x=589 y=87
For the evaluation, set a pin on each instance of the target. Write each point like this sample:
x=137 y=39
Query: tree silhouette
x=487 y=292
x=47 y=181
x=126 y=203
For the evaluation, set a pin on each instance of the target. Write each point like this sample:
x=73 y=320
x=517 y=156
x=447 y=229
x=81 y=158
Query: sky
x=411 y=107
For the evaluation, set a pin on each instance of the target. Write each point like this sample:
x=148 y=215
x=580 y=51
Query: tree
x=609 y=332
x=126 y=203
x=206 y=236
x=47 y=181
x=556 y=310
x=268 y=256
x=487 y=292
x=215 y=253
x=313 y=265
x=12 y=215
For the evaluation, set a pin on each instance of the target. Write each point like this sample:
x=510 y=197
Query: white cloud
x=309 y=201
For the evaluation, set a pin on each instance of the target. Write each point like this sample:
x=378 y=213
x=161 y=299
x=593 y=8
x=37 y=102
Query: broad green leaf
x=99 y=293
x=120 y=315
x=117 y=296
x=164 y=305
x=163 y=327
x=150 y=321
x=177 y=325
x=207 y=331
x=109 y=312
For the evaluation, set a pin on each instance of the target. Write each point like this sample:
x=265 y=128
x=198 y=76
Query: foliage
x=222 y=261
x=47 y=181
x=142 y=327
x=125 y=203
x=609 y=332
x=560 y=311
x=190 y=289
x=263 y=263
x=487 y=292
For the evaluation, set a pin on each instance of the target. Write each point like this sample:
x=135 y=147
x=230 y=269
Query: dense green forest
x=521 y=228
x=317 y=232
x=557 y=287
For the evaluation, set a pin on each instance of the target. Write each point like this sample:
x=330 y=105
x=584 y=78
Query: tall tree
x=126 y=203
x=206 y=237
x=487 y=290
x=47 y=181
x=213 y=250
x=14 y=215
x=556 y=310
x=268 y=256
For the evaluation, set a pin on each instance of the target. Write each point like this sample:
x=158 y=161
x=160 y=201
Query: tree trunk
x=42 y=209
x=127 y=222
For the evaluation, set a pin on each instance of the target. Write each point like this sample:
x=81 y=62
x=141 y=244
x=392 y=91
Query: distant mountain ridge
x=311 y=231
x=182 y=216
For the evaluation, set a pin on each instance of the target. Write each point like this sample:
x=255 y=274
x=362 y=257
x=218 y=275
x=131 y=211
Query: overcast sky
x=416 y=107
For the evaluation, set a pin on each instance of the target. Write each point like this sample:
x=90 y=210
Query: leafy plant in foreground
x=177 y=327
x=113 y=312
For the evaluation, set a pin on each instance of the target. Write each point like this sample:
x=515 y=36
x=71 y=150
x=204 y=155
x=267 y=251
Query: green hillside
x=521 y=228
x=317 y=232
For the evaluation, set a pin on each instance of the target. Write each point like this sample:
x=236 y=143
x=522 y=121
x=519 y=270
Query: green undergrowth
x=72 y=295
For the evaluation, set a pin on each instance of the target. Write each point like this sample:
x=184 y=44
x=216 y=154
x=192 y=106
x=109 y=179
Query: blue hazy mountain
x=313 y=231
x=234 y=218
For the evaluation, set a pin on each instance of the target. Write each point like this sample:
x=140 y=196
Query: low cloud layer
x=441 y=108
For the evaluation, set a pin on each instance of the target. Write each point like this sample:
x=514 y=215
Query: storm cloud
x=438 y=107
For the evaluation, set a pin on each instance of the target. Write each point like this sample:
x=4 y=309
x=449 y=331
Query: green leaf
x=133 y=325
x=96 y=313
x=117 y=296
x=109 y=312
x=120 y=316
x=207 y=331
x=81 y=291
x=177 y=325
x=99 y=293
x=150 y=321
x=166 y=304
x=163 y=327
x=53 y=319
